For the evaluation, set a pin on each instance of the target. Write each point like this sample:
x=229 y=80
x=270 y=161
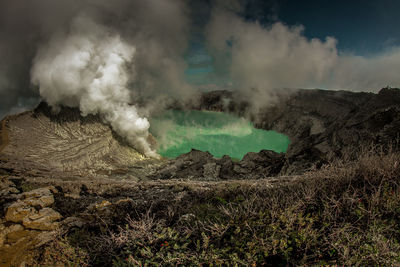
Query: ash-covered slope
x=46 y=144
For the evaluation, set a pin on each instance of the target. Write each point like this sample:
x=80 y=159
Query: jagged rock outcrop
x=321 y=124
x=33 y=211
x=198 y=165
x=28 y=222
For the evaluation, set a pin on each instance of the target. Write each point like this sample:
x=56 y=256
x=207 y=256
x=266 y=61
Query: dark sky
x=361 y=27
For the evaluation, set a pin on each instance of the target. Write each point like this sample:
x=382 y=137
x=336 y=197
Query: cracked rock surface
x=26 y=221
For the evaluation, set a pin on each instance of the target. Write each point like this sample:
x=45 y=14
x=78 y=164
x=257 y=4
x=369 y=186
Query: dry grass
x=347 y=213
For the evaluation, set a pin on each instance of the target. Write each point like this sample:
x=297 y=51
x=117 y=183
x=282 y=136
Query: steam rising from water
x=103 y=56
x=221 y=134
x=88 y=69
x=100 y=56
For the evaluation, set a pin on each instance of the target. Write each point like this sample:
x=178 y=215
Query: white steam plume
x=87 y=68
x=279 y=56
x=98 y=55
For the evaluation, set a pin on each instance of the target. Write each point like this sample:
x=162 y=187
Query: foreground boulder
x=27 y=223
x=33 y=211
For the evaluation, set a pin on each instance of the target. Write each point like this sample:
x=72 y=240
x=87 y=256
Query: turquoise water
x=177 y=132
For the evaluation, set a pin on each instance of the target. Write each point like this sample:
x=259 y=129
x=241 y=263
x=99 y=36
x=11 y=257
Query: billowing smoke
x=365 y=73
x=98 y=55
x=22 y=25
x=87 y=68
x=110 y=57
x=276 y=56
x=261 y=58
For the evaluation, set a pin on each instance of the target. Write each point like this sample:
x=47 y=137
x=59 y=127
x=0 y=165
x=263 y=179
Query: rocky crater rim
x=321 y=125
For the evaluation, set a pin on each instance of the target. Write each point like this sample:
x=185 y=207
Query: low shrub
x=346 y=213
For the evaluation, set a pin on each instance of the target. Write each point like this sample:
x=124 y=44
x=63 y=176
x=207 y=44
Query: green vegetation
x=177 y=132
x=347 y=213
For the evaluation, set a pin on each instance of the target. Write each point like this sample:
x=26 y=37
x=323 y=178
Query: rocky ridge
x=321 y=124
x=61 y=172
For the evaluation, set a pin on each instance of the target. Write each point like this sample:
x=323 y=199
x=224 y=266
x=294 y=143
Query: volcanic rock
x=321 y=124
x=186 y=166
x=11 y=233
x=33 y=211
x=18 y=211
x=27 y=223
x=266 y=162
x=198 y=165
x=211 y=171
x=45 y=220
x=41 y=197
x=226 y=171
